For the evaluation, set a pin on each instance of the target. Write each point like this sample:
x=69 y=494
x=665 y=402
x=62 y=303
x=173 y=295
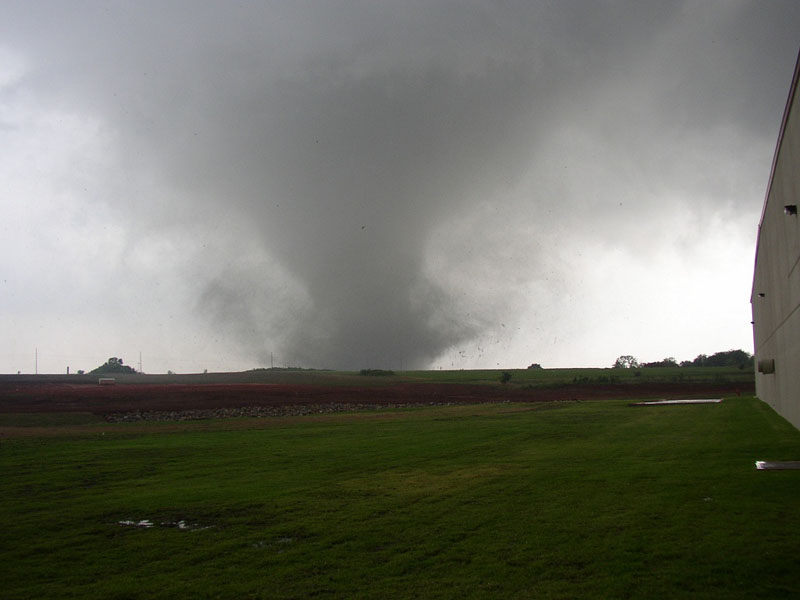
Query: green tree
x=667 y=362
x=112 y=365
x=626 y=361
x=729 y=358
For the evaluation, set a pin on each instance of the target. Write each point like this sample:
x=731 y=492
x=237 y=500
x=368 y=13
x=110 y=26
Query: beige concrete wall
x=776 y=282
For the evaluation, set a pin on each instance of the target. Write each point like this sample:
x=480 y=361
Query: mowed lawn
x=567 y=500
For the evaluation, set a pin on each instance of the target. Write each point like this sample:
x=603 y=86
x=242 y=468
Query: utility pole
x=36 y=365
x=140 y=361
x=271 y=363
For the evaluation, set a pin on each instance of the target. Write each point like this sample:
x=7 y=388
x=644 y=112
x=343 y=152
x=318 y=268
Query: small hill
x=112 y=366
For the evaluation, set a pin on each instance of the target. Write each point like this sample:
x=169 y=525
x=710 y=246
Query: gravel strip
x=288 y=410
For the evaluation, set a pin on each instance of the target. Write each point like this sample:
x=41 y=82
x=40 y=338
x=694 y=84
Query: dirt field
x=122 y=399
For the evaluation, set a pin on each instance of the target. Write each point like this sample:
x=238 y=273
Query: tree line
x=729 y=358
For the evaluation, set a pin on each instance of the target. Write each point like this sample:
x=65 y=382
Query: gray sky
x=383 y=184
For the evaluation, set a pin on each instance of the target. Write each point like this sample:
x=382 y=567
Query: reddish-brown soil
x=123 y=398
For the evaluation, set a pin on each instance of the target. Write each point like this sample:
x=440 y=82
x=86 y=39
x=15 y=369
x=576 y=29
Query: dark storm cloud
x=346 y=138
x=345 y=168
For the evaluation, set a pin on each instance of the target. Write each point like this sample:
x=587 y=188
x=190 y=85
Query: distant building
x=776 y=282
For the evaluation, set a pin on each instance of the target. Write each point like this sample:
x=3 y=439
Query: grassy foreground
x=570 y=500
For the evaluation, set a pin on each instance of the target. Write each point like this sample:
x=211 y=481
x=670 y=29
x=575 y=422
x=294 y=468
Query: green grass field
x=566 y=500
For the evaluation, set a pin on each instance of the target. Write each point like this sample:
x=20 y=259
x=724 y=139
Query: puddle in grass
x=145 y=523
x=148 y=524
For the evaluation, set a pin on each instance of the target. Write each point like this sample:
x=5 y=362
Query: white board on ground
x=774 y=465
x=687 y=401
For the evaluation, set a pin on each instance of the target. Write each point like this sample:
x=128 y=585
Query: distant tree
x=667 y=362
x=535 y=366
x=729 y=358
x=80 y=371
x=112 y=365
x=505 y=377
x=376 y=372
x=626 y=361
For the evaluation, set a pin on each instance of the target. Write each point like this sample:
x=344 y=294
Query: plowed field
x=126 y=398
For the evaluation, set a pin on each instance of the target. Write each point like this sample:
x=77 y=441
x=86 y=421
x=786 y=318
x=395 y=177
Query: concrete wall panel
x=776 y=281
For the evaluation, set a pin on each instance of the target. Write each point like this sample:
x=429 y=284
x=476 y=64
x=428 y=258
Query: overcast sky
x=398 y=184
